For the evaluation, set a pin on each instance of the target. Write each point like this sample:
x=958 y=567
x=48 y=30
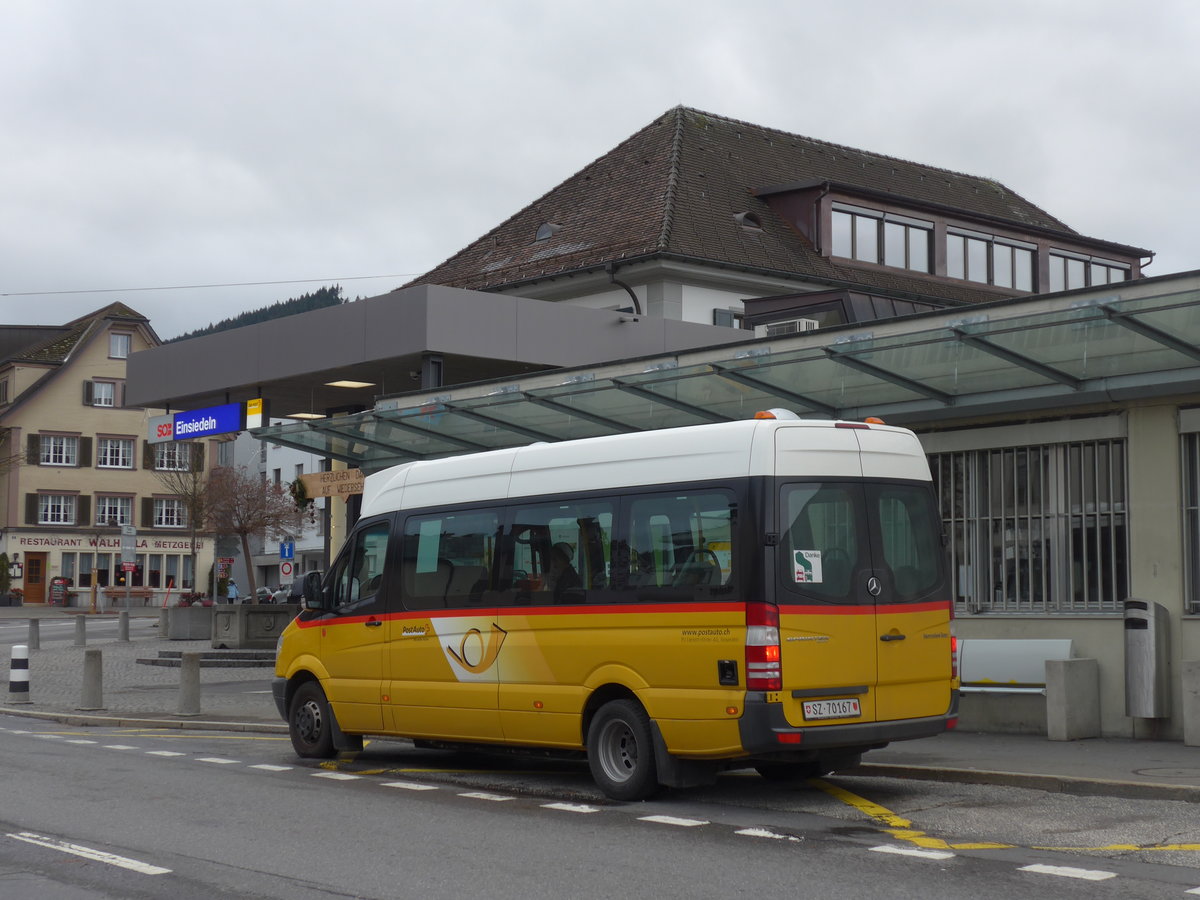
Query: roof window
x=748 y=220
x=546 y=231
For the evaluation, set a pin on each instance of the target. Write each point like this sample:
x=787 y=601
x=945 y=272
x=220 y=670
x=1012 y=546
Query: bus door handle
x=373 y=623
x=892 y=637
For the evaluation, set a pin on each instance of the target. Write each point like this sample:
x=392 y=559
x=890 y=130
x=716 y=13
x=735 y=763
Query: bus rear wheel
x=621 y=751
x=310 y=723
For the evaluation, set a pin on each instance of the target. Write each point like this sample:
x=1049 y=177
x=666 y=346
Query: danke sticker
x=807 y=567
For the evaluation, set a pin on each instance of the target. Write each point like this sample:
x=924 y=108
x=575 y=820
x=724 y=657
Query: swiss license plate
x=832 y=709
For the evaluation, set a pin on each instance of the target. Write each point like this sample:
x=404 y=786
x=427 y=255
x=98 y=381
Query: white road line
x=571 y=807
x=410 y=786
x=217 y=760
x=164 y=753
x=82 y=741
x=1069 y=872
x=766 y=833
x=1195 y=890
x=482 y=795
x=336 y=776
x=267 y=767
x=120 y=747
x=672 y=820
x=49 y=737
x=918 y=852
x=111 y=859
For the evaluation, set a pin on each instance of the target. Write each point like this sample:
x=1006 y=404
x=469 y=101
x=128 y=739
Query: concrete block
x=251 y=626
x=1191 y=702
x=1072 y=699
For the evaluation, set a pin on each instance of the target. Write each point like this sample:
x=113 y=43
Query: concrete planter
x=250 y=626
x=7 y=599
x=189 y=623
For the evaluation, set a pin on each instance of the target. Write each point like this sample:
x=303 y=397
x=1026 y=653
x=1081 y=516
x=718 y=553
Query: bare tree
x=243 y=503
x=190 y=486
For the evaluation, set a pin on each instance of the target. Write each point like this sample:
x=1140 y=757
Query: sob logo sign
x=164 y=431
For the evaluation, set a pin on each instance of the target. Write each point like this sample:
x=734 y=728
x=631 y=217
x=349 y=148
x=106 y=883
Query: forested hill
x=327 y=296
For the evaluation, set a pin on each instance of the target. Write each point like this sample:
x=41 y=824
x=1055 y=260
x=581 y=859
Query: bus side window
x=447 y=560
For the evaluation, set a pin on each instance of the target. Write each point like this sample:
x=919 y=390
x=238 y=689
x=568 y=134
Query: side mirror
x=311 y=591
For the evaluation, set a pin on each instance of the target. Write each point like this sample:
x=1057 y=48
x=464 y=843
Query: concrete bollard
x=162 y=622
x=80 y=631
x=92 y=696
x=1191 y=702
x=123 y=625
x=35 y=634
x=189 y=684
x=18 y=675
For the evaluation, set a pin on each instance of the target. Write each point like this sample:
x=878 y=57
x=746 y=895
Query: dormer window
x=749 y=221
x=870 y=235
x=546 y=231
x=988 y=259
x=1075 y=270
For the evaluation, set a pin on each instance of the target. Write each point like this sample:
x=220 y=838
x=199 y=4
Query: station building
x=708 y=268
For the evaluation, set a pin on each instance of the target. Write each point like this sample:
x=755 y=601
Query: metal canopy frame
x=1043 y=352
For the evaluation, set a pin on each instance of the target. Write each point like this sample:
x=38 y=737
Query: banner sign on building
x=333 y=484
x=197 y=423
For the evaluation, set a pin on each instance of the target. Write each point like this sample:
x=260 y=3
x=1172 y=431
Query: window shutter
x=85 y=452
x=31 y=509
x=147 y=512
x=196 y=456
x=119 y=395
x=33 y=449
x=83 y=511
x=89 y=396
x=148 y=455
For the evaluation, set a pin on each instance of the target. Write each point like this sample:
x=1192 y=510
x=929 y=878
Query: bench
x=1028 y=686
x=1008 y=665
x=115 y=595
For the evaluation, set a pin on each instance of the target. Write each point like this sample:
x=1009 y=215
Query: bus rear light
x=953 y=657
x=793 y=737
x=764 y=670
x=951 y=724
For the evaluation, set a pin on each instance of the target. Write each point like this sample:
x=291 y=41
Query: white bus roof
x=812 y=448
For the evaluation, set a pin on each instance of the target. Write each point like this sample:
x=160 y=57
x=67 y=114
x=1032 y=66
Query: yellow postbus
x=768 y=593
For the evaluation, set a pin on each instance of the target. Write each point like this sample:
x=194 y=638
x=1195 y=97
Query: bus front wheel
x=310 y=723
x=621 y=751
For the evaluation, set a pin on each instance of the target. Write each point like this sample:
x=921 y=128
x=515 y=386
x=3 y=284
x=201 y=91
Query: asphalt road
x=94 y=812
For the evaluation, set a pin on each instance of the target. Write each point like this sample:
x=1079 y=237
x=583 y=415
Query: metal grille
x=1036 y=529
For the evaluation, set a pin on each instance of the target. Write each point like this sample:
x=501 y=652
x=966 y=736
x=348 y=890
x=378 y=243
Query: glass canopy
x=1042 y=352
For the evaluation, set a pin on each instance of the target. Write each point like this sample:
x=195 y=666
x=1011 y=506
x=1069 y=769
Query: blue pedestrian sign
x=287 y=550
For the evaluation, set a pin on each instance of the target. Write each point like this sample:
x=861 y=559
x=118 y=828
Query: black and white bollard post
x=92 y=695
x=18 y=675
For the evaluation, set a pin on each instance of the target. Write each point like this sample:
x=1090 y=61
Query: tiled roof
x=674 y=188
x=56 y=349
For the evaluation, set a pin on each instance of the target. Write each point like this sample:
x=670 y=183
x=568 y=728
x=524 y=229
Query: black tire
x=621 y=751
x=310 y=723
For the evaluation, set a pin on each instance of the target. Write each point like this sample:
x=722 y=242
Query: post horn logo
x=488 y=649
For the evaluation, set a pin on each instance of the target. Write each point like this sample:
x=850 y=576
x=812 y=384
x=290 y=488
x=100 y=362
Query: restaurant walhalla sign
x=333 y=484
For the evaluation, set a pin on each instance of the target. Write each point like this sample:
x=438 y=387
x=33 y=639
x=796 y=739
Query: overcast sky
x=152 y=144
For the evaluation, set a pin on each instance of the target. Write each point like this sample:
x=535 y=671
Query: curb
x=132 y=720
x=1055 y=784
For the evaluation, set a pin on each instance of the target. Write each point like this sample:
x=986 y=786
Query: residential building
x=80 y=469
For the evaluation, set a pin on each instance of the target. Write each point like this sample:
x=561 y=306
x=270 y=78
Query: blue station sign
x=209 y=421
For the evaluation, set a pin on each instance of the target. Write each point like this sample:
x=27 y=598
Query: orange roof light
x=874 y=420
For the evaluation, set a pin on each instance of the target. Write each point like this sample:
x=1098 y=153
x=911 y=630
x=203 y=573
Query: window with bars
x=1191 y=520
x=1037 y=529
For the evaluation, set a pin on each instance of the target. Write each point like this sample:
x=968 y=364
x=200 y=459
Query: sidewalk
x=240 y=699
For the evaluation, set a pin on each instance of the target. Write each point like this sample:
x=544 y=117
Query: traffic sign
x=285 y=569
x=287 y=550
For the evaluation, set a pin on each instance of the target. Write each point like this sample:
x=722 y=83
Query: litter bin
x=1147 y=681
